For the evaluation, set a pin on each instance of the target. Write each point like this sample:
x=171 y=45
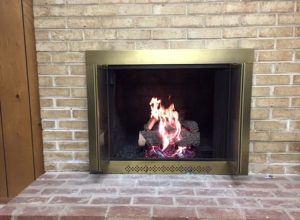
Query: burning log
x=189 y=138
x=192 y=126
x=172 y=139
x=150 y=124
x=150 y=138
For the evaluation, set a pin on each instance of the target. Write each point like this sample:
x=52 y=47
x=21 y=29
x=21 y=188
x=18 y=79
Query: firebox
x=169 y=111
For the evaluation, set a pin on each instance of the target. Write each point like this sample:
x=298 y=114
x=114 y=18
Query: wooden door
x=19 y=104
x=33 y=89
x=3 y=186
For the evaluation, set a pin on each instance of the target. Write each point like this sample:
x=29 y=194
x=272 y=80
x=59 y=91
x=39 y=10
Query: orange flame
x=169 y=125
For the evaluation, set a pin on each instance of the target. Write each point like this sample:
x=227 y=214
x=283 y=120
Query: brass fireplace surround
x=99 y=163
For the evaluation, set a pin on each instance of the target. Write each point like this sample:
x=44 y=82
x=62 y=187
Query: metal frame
x=243 y=57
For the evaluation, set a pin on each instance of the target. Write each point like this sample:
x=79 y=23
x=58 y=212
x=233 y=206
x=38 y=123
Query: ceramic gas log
x=188 y=138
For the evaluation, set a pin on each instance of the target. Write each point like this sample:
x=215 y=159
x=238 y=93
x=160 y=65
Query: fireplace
x=169 y=111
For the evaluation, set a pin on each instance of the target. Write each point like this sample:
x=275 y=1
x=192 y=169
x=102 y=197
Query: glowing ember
x=170 y=153
x=169 y=125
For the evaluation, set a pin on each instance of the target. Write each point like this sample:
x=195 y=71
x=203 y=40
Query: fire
x=169 y=125
x=171 y=140
x=180 y=152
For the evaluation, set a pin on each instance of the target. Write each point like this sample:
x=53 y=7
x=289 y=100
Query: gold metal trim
x=243 y=57
x=137 y=57
x=94 y=153
x=245 y=115
x=166 y=167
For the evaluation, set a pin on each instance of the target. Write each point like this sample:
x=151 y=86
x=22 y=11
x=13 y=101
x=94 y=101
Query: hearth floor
x=64 y=196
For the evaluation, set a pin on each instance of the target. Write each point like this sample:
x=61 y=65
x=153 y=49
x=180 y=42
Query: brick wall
x=67 y=28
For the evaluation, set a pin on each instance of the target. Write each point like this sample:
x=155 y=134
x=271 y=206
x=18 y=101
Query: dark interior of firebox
x=200 y=93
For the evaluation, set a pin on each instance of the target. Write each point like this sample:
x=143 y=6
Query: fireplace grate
x=168 y=169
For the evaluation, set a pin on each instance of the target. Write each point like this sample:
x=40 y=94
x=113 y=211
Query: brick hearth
x=84 y=196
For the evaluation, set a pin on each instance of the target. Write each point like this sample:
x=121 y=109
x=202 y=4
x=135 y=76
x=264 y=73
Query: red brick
x=293 y=185
x=40 y=212
x=265 y=214
x=189 y=184
x=195 y=201
x=153 y=183
x=260 y=185
x=81 y=212
x=137 y=191
x=238 y=202
x=295 y=214
x=287 y=193
x=175 y=191
x=89 y=183
x=169 y=213
x=48 y=176
x=280 y=203
x=223 y=184
x=153 y=200
x=278 y=194
x=5 y=217
x=69 y=200
x=38 y=217
x=121 y=212
x=214 y=192
x=7 y=211
x=220 y=213
x=113 y=182
x=253 y=193
x=72 y=176
x=35 y=200
x=111 y=200
x=107 y=177
x=99 y=191
x=161 y=177
x=30 y=191
x=50 y=191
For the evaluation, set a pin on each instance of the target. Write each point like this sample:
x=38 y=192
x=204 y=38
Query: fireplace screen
x=186 y=117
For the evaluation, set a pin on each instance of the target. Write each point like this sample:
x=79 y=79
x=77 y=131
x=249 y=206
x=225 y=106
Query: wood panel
x=3 y=186
x=32 y=74
x=15 y=100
